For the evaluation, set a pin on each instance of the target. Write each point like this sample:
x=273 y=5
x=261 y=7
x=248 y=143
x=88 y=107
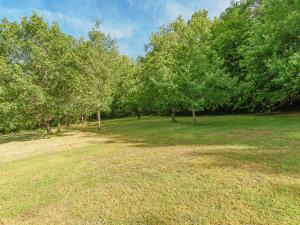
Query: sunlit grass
x=225 y=170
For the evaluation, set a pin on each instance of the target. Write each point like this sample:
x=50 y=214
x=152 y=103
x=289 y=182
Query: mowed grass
x=240 y=169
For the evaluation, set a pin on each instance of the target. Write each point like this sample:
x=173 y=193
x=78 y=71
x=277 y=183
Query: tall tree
x=49 y=62
x=229 y=33
x=271 y=55
x=201 y=78
x=160 y=67
x=101 y=67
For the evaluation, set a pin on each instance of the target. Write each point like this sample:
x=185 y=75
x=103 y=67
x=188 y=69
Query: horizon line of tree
x=248 y=59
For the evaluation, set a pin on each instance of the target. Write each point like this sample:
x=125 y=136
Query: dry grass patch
x=15 y=150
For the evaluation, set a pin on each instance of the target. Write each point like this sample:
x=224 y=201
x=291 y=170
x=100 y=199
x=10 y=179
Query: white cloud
x=78 y=26
x=170 y=9
x=216 y=7
x=175 y=9
x=85 y=25
x=120 y=30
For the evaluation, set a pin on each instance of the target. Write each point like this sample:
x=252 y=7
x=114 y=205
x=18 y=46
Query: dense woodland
x=246 y=60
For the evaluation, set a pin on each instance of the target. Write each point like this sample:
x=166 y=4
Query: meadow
x=232 y=169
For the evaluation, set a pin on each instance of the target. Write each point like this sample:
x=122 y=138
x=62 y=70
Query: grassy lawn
x=241 y=169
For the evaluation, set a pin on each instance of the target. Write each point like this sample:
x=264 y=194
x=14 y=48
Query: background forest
x=247 y=60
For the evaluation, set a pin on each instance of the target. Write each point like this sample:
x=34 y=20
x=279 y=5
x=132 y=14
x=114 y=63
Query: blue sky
x=131 y=22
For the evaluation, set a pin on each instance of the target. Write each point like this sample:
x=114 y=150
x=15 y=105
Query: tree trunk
x=99 y=119
x=69 y=121
x=194 y=116
x=85 y=119
x=173 y=115
x=139 y=113
x=82 y=119
x=47 y=126
x=58 y=125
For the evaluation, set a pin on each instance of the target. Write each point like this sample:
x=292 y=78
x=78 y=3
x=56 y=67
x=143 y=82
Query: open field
x=241 y=169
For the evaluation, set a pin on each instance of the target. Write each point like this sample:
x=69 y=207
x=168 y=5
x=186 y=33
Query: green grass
x=241 y=169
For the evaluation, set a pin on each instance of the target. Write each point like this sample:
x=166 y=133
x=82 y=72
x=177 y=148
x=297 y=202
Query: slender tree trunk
x=99 y=119
x=58 y=117
x=69 y=121
x=82 y=119
x=173 y=115
x=85 y=119
x=58 y=125
x=47 y=126
x=194 y=116
x=139 y=113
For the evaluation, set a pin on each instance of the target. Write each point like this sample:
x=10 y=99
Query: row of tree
x=48 y=76
x=248 y=59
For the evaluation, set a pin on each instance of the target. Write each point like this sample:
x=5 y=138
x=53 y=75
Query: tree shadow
x=159 y=131
x=272 y=141
x=253 y=160
x=21 y=136
x=29 y=136
x=275 y=144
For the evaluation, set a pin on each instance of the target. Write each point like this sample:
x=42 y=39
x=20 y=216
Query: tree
x=184 y=68
x=44 y=58
x=49 y=62
x=200 y=77
x=15 y=92
x=160 y=65
x=271 y=55
x=101 y=68
x=229 y=33
x=128 y=96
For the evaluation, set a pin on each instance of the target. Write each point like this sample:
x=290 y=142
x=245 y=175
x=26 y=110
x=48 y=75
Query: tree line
x=49 y=77
x=247 y=59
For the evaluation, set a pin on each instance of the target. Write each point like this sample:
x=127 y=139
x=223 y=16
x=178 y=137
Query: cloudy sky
x=129 y=21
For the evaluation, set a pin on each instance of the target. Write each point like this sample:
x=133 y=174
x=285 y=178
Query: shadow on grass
x=273 y=139
x=264 y=132
x=20 y=137
x=267 y=162
x=28 y=136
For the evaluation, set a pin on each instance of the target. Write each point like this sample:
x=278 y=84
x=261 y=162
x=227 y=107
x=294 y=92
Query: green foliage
x=271 y=54
x=259 y=43
x=47 y=75
x=184 y=68
x=247 y=59
x=14 y=91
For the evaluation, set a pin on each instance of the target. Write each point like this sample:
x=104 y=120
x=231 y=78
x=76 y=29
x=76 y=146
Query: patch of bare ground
x=15 y=150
